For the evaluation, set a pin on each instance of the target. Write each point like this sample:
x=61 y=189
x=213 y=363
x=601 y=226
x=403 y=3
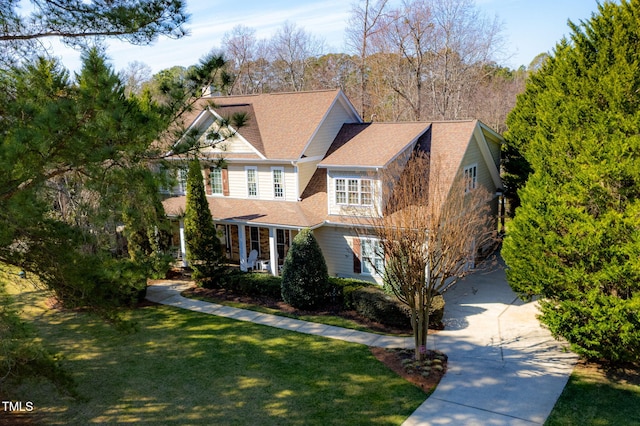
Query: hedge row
x=248 y=284
x=366 y=298
x=373 y=303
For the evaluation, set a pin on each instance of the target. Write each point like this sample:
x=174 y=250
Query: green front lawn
x=183 y=367
x=595 y=397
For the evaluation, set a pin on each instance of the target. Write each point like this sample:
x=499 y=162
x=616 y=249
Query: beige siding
x=328 y=130
x=238 y=181
x=233 y=145
x=336 y=245
x=290 y=188
x=495 y=149
x=305 y=172
x=474 y=156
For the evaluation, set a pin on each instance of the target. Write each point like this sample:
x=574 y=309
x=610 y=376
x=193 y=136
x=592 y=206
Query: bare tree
x=364 y=22
x=291 y=51
x=429 y=225
x=331 y=71
x=409 y=34
x=240 y=47
x=465 y=40
x=440 y=48
x=495 y=95
x=135 y=75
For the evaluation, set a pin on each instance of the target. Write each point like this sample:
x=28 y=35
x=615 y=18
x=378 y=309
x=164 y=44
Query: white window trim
x=251 y=241
x=246 y=171
x=177 y=175
x=273 y=183
x=470 y=185
x=346 y=190
x=373 y=272
x=216 y=194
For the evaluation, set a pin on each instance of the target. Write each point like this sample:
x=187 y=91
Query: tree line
x=424 y=60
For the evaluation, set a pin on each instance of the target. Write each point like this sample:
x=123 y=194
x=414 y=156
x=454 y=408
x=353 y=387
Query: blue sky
x=530 y=27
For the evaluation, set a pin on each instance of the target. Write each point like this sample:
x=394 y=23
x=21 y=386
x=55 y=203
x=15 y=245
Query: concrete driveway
x=504 y=368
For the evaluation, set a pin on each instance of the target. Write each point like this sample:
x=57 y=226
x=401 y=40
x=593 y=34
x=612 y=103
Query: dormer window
x=354 y=191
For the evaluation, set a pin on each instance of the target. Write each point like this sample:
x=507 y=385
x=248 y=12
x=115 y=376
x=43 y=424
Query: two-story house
x=306 y=159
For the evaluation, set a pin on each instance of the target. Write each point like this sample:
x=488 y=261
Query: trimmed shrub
x=373 y=303
x=343 y=288
x=250 y=284
x=305 y=282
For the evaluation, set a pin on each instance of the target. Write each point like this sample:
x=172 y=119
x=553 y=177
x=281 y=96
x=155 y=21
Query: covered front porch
x=254 y=247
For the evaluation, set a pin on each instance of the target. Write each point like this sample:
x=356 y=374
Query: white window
x=470 y=178
x=252 y=181
x=354 y=191
x=372 y=256
x=254 y=239
x=181 y=176
x=176 y=178
x=366 y=192
x=341 y=192
x=278 y=182
x=282 y=243
x=216 y=180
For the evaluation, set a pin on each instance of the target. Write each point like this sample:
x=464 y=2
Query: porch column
x=183 y=245
x=273 y=252
x=242 y=247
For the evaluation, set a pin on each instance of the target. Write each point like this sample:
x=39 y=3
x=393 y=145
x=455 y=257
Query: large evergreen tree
x=70 y=152
x=73 y=159
x=204 y=251
x=575 y=240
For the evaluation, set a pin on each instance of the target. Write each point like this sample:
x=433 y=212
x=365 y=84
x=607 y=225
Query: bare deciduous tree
x=240 y=48
x=291 y=50
x=364 y=22
x=440 y=48
x=410 y=35
x=465 y=40
x=430 y=225
x=135 y=75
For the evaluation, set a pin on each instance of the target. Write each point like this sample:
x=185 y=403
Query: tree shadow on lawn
x=185 y=367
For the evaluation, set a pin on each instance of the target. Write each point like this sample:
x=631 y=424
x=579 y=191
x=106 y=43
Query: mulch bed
x=426 y=374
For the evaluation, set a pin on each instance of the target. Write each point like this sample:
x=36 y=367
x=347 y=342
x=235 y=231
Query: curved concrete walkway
x=503 y=368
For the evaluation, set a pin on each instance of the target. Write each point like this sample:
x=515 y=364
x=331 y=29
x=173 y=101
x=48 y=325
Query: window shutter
x=357 y=263
x=225 y=182
x=207 y=181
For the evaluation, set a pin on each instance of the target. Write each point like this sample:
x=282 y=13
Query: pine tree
x=70 y=150
x=575 y=240
x=204 y=251
x=73 y=22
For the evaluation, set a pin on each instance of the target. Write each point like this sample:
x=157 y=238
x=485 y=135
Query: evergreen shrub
x=250 y=284
x=374 y=304
x=305 y=281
